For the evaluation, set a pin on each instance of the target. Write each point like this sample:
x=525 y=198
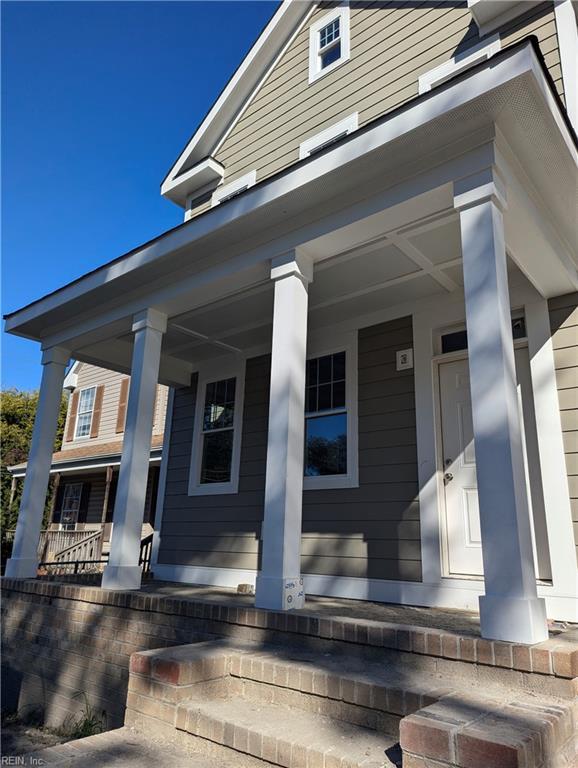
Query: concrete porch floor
x=445 y=619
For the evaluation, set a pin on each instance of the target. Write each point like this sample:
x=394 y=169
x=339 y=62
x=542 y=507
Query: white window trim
x=319 y=348
x=245 y=181
x=341 y=12
x=460 y=63
x=224 y=369
x=343 y=127
x=87 y=436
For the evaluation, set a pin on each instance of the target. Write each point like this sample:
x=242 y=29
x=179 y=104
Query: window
x=330 y=459
x=455 y=341
x=85 y=408
x=70 y=504
x=328 y=42
x=217 y=432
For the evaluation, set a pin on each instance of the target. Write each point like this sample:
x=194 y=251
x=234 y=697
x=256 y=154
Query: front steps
x=286 y=706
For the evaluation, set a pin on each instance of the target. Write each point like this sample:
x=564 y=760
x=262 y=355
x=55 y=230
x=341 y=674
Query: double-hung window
x=217 y=434
x=331 y=420
x=70 y=508
x=328 y=42
x=85 y=409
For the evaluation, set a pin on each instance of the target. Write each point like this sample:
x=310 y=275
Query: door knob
x=448 y=477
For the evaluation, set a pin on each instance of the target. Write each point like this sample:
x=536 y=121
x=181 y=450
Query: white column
x=24 y=561
x=510 y=609
x=123 y=570
x=279 y=584
x=552 y=460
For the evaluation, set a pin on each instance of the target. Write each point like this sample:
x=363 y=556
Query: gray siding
x=371 y=531
x=564 y=325
x=392 y=45
x=219 y=531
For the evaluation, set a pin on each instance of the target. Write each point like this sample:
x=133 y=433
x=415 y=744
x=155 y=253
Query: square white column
x=123 y=570
x=24 y=561
x=279 y=583
x=510 y=609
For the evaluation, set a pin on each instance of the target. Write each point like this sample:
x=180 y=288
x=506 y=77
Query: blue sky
x=98 y=99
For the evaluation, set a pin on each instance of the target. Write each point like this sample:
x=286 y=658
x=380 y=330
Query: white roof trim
x=204 y=174
x=519 y=61
x=241 y=85
x=491 y=14
x=71 y=378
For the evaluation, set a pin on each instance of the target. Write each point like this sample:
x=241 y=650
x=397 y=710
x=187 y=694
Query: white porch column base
x=24 y=561
x=279 y=585
x=279 y=593
x=122 y=576
x=21 y=567
x=516 y=620
x=122 y=570
x=511 y=609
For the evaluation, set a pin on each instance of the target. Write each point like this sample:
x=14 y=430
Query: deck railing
x=89 y=548
x=51 y=542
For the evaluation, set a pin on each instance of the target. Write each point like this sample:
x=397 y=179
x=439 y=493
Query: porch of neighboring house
x=84 y=483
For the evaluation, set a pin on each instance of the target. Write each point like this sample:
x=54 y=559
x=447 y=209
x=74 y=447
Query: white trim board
x=329 y=135
x=453 y=96
x=452 y=593
x=482 y=51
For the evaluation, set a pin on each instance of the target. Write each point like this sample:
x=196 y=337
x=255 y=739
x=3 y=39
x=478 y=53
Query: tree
x=17 y=411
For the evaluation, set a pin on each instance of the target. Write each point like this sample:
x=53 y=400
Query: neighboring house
x=368 y=321
x=85 y=469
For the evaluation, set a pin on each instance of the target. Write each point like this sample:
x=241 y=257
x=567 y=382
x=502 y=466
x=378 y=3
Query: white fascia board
x=240 y=86
x=451 y=96
x=208 y=171
x=491 y=14
x=87 y=463
x=71 y=378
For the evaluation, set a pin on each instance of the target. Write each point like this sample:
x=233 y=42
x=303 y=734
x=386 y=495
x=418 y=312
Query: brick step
x=212 y=691
x=287 y=737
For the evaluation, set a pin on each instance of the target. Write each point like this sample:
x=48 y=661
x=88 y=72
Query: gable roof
x=255 y=66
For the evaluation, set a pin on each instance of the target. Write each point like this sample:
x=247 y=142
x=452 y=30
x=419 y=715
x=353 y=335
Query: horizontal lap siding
x=391 y=46
x=93 y=376
x=564 y=325
x=217 y=531
x=370 y=532
x=373 y=531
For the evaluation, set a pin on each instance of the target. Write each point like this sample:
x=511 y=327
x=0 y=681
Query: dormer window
x=328 y=43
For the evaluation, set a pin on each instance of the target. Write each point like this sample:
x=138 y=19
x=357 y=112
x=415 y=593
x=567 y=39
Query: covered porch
x=454 y=214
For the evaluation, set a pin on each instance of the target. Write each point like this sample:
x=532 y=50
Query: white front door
x=462 y=517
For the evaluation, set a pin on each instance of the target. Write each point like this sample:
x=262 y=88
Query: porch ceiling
x=375 y=212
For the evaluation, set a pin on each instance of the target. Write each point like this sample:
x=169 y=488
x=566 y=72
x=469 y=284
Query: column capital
x=295 y=262
x=149 y=318
x=57 y=355
x=485 y=186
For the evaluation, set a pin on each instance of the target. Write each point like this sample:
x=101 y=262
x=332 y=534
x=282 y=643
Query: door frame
x=437 y=361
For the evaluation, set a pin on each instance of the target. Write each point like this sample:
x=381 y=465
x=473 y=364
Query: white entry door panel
x=462 y=517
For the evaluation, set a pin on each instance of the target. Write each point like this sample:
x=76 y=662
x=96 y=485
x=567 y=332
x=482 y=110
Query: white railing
x=89 y=548
x=52 y=542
